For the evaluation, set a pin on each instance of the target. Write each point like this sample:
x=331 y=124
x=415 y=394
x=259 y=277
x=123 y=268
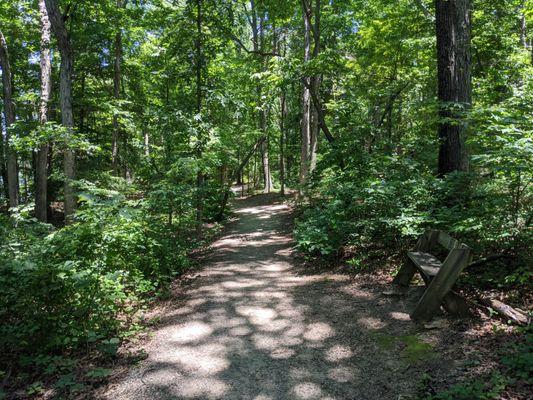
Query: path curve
x=250 y=327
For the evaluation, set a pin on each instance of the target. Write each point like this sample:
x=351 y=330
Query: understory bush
x=70 y=287
x=400 y=198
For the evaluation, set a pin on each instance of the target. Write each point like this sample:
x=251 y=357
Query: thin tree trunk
x=9 y=113
x=146 y=137
x=116 y=95
x=3 y=169
x=523 y=27
x=258 y=36
x=454 y=82
x=282 y=117
x=41 y=162
x=315 y=88
x=199 y=65
x=306 y=102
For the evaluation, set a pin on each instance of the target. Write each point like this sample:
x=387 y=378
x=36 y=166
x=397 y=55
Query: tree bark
x=41 y=162
x=146 y=139
x=306 y=102
x=523 y=26
x=3 y=169
x=9 y=113
x=454 y=82
x=116 y=93
x=257 y=25
x=199 y=66
x=315 y=88
x=310 y=112
x=57 y=21
x=282 y=118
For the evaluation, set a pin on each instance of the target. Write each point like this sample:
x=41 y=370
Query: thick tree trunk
x=9 y=113
x=62 y=35
x=310 y=112
x=41 y=160
x=454 y=82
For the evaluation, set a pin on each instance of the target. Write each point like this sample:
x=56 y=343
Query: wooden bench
x=438 y=276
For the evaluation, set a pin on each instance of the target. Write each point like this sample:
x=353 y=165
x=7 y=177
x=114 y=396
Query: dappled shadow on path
x=249 y=327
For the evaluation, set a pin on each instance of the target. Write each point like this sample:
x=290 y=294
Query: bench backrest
x=447 y=241
x=434 y=237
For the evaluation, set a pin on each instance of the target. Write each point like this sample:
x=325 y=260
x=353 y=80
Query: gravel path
x=252 y=326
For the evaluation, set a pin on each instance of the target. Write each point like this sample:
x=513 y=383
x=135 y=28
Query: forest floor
x=252 y=323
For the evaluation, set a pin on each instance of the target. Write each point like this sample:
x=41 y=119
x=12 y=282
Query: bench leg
x=405 y=274
x=456 y=305
x=427 y=307
x=441 y=285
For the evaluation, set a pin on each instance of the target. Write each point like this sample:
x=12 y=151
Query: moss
x=413 y=349
x=384 y=341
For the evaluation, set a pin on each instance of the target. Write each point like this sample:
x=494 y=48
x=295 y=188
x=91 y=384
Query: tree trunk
x=315 y=88
x=9 y=113
x=306 y=102
x=523 y=26
x=3 y=169
x=199 y=65
x=116 y=95
x=283 y=116
x=310 y=112
x=146 y=137
x=41 y=161
x=57 y=20
x=454 y=82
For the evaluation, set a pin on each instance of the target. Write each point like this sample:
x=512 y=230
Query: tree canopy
x=383 y=118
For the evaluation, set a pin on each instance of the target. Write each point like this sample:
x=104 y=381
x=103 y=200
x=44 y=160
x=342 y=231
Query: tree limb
x=320 y=111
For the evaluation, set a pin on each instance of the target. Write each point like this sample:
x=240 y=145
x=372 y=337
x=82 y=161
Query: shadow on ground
x=249 y=327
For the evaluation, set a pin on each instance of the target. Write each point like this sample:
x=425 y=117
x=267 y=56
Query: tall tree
x=57 y=20
x=116 y=91
x=257 y=22
x=41 y=164
x=310 y=117
x=199 y=95
x=282 y=119
x=454 y=81
x=9 y=113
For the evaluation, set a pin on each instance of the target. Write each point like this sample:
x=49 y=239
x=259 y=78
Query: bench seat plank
x=425 y=262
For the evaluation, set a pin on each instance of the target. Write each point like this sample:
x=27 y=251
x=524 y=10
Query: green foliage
x=475 y=390
x=518 y=359
x=84 y=282
x=517 y=365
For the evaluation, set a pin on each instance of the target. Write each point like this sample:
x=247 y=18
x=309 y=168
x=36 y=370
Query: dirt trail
x=251 y=326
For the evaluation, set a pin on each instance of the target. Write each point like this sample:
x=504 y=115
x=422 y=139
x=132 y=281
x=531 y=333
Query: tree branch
x=320 y=111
